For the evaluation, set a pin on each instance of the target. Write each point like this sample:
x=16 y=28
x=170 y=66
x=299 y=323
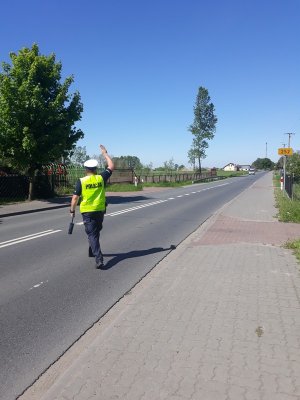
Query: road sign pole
x=284 y=167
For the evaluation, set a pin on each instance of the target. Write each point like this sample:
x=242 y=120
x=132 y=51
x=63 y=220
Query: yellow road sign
x=285 y=151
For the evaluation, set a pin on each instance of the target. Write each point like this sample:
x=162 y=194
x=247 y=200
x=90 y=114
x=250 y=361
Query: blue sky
x=138 y=66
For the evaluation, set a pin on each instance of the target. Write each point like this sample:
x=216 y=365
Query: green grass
x=288 y=210
x=276 y=180
x=231 y=174
x=167 y=184
x=123 y=187
x=129 y=187
x=295 y=246
x=62 y=191
x=296 y=193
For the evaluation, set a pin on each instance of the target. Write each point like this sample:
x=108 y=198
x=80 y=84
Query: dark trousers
x=93 y=225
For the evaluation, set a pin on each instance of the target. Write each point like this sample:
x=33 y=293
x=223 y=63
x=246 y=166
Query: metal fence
x=292 y=186
x=61 y=179
x=177 y=177
x=52 y=179
x=14 y=187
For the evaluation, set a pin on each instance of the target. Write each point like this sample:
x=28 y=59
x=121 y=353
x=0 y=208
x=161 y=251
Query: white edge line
x=23 y=237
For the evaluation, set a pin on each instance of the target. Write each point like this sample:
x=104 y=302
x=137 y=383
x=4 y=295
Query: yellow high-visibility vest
x=93 y=193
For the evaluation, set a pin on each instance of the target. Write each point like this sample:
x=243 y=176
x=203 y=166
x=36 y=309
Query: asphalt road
x=50 y=291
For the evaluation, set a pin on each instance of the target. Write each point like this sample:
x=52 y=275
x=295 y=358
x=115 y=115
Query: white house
x=230 y=167
x=244 y=167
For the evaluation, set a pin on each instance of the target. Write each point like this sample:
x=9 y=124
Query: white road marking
x=51 y=231
x=126 y=210
x=23 y=237
x=136 y=208
x=29 y=237
x=37 y=285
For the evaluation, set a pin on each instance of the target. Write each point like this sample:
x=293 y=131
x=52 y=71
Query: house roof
x=231 y=163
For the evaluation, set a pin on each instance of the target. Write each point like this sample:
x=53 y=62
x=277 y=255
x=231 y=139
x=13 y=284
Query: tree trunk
x=31 y=185
x=199 y=162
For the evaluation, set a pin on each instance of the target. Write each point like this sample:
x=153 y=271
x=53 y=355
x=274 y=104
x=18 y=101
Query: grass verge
x=123 y=187
x=129 y=187
x=288 y=211
x=295 y=246
x=231 y=174
x=167 y=184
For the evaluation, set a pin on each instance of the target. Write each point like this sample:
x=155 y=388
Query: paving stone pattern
x=218 y=319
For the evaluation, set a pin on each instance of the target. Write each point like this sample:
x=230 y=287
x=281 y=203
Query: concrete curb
x=10 y=214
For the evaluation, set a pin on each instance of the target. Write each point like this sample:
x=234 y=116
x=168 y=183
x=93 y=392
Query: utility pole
x=284 y=168
x=290 y=134
x=266 y=149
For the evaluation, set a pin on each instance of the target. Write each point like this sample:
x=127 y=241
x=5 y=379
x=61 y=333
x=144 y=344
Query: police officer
x=91 y=188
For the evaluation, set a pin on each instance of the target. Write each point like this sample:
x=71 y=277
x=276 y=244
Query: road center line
x=136 y=208
x=126 y=210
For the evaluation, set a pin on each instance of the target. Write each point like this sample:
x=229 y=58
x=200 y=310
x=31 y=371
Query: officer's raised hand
x=109 y=161
x=103 y=149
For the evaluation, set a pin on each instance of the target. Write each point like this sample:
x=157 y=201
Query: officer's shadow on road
x=124 y=199
x=118 y=257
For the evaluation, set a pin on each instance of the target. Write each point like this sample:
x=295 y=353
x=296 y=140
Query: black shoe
x=100 y=265
x=90 y=252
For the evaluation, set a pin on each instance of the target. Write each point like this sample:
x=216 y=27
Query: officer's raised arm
x=109 y=161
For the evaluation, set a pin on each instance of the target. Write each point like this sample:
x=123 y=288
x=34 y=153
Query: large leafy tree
x=128 y=162
x=204 y=126
x=293 y=164
x=263 y=163
x=78 y=155
x=37 y=113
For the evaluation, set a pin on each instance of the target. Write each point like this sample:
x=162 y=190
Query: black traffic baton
x=71 y=226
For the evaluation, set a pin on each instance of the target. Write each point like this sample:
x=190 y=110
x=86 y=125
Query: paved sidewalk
x=217 y=319
x=26 y=207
